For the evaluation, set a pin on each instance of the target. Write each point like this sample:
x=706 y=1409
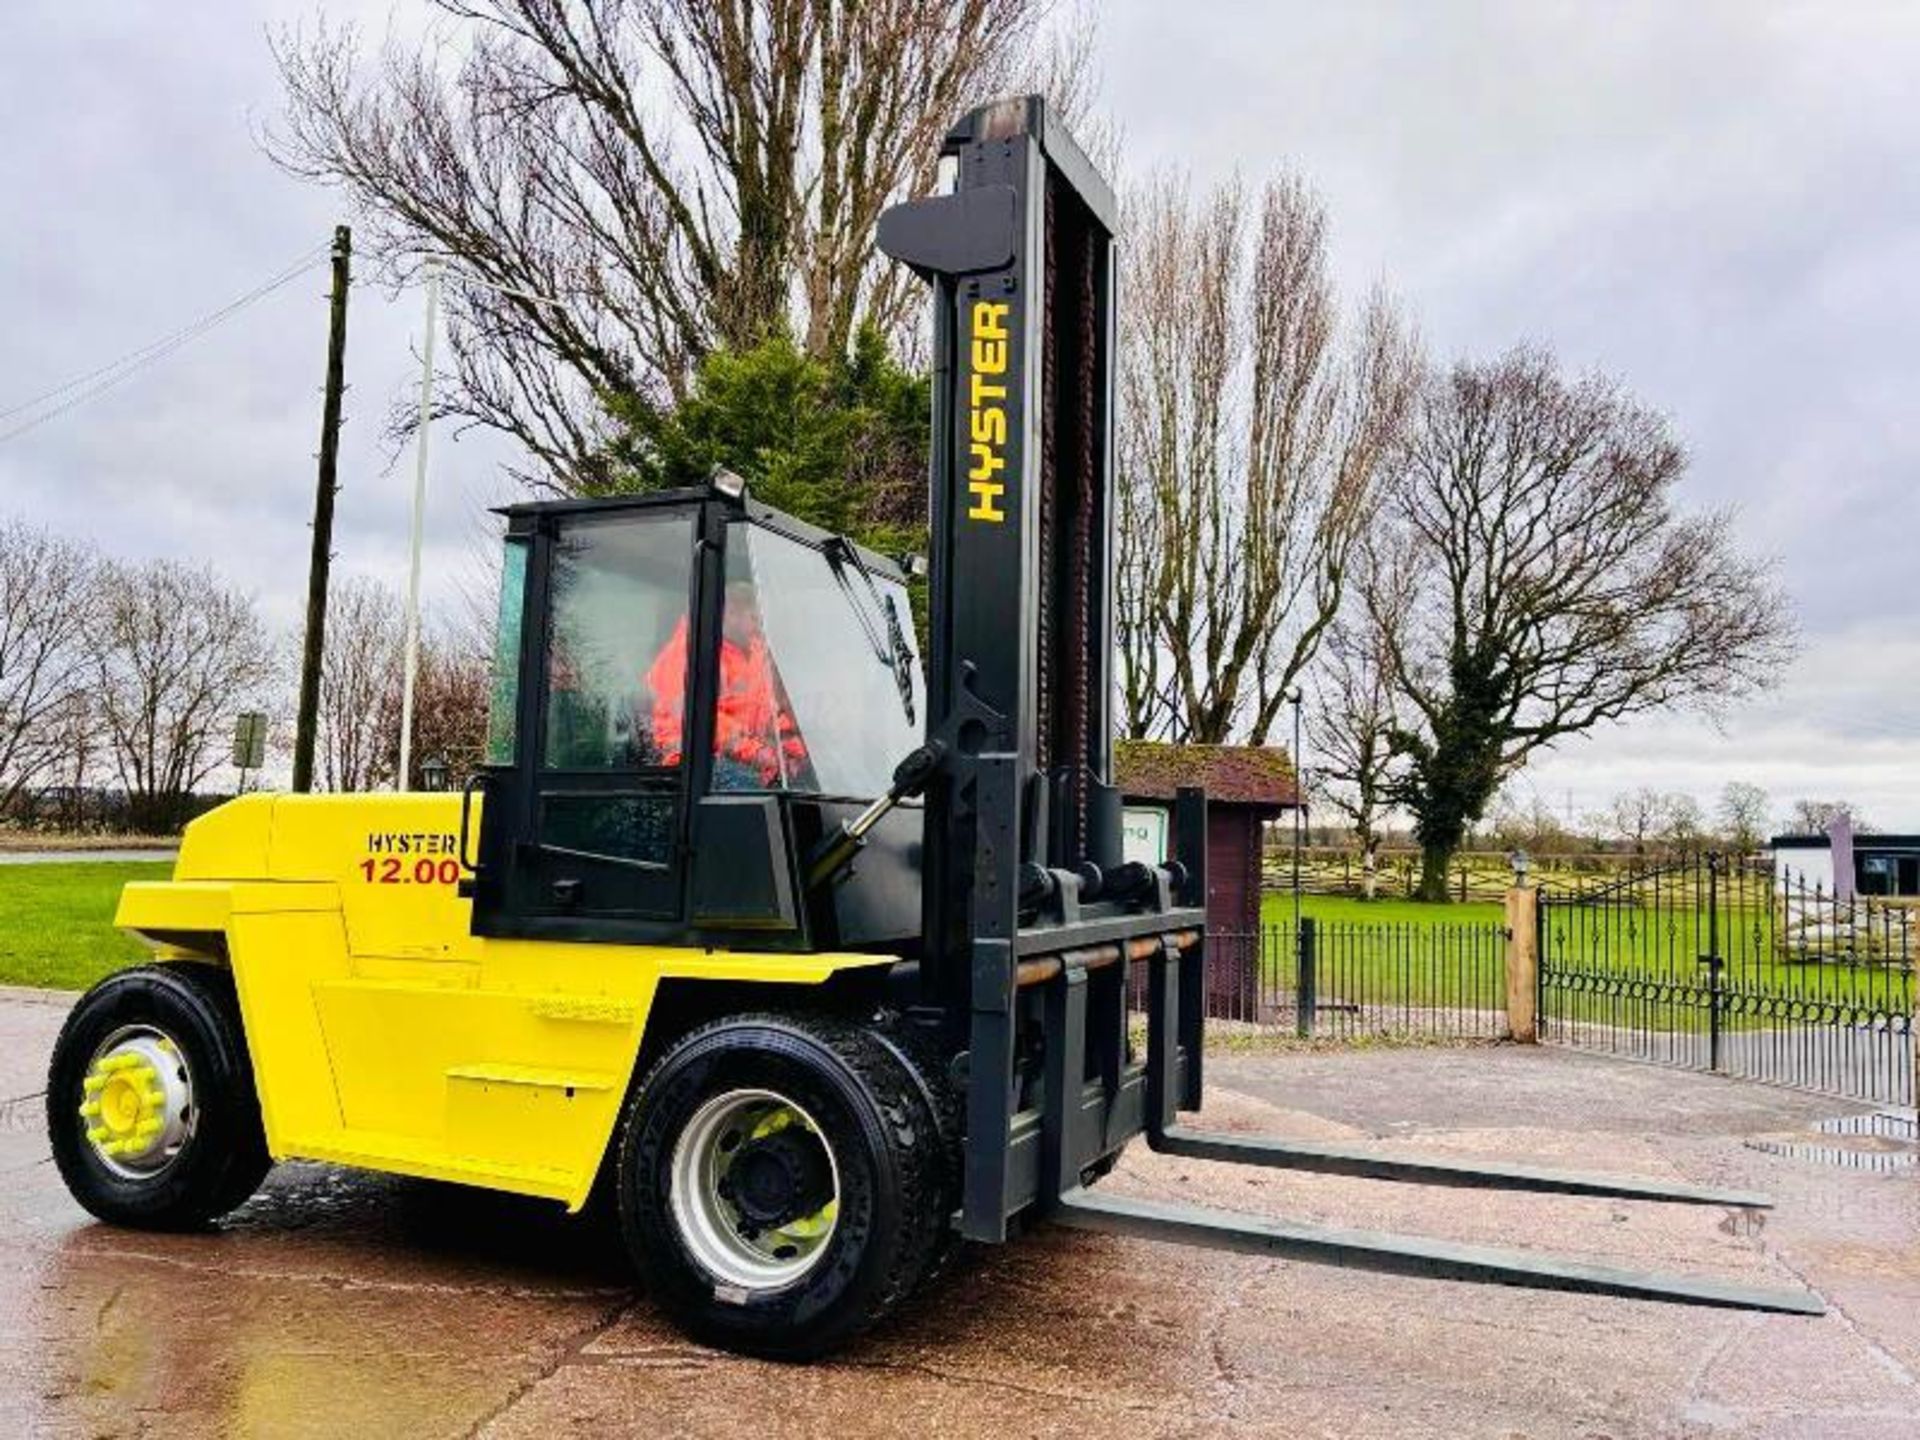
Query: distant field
x=80 y=844
x=1474 y=875
x=1278 y=910
x=1393 y=951
x=56 y=921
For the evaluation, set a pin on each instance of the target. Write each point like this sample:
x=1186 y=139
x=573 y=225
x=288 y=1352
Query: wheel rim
x=755 y=1189
x=136 y=1102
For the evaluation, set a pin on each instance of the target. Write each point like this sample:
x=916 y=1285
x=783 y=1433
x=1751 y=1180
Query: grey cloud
x=1715 y=201
x=146 y=203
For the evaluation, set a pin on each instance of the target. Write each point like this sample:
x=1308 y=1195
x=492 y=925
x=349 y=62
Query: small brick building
x=1247 y=786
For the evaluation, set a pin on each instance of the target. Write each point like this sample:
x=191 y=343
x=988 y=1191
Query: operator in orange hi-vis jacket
x=755 y=740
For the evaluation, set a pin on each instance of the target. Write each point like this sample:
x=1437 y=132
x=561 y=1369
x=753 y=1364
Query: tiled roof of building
x=1235 y=774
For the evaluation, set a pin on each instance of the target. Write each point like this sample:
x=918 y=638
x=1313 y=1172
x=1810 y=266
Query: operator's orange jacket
x=749 y=720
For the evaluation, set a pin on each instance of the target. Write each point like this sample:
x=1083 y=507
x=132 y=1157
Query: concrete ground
x=338 y=1303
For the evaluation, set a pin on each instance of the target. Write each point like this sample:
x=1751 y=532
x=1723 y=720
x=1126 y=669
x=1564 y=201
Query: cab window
x=503 y=701
x=617 y=651
x=805 y=702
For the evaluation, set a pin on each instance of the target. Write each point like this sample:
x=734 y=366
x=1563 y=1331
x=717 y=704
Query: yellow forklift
x=813 y=958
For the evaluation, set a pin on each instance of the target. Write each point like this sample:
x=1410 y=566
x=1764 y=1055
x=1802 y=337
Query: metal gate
x=1720 y=964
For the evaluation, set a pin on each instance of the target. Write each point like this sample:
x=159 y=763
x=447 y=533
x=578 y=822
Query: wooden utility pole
x=308 y=722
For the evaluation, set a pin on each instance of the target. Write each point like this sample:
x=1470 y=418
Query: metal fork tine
x=1476 y=1175
x=1407 y=1255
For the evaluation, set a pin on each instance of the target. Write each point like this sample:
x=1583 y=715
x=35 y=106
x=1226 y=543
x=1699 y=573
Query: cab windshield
x=805 y=702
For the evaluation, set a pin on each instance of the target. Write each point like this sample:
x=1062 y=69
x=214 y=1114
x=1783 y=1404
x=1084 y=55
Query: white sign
x=1143 y=831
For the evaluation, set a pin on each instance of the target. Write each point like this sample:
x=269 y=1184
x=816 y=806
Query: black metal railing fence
x=1730 y=966
x=1351 y=979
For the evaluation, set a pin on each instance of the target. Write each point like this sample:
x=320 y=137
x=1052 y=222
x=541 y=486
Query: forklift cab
x=691 y=689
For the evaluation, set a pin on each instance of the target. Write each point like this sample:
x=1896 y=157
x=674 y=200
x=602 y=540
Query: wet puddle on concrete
x=1879 y=1141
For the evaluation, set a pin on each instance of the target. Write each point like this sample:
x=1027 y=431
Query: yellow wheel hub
x=134 y=1103
x=812 y=1227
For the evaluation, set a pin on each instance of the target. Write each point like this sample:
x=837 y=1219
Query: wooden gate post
x=1523 y=964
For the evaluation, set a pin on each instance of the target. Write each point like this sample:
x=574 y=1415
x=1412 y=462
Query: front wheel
x=782 y=1183
x=151 y=1108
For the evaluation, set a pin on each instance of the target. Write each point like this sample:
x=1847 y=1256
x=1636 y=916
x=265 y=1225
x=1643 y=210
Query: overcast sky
x=1717 y=202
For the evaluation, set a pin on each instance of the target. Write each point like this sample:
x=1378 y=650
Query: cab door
x=584 y=826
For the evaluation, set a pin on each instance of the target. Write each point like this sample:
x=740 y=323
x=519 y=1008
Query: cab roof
x=527 y=515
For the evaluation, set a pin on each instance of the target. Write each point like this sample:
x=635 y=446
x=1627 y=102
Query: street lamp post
x=410 y=666
x=1299 y=804
x=436 y=270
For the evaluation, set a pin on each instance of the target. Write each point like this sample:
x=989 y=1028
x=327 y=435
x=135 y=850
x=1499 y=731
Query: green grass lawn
x=1391 y=955
x=56 y=921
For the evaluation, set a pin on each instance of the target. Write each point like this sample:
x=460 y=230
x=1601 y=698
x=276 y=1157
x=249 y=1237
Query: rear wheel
x=782 y=1183
x=151 y=1109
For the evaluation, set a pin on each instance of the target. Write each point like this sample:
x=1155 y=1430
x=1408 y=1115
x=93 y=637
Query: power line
x=297 y=266
x=82 y=388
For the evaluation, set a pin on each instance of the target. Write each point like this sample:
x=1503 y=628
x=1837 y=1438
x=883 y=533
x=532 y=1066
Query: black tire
x=927 y=1066
x=887 y=1153
x=223 y=1158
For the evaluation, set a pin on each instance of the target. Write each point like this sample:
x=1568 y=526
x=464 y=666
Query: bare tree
x=1253 y=431
x=451 y=696
x=1351 y=732
x=1816 y=817
x=678 y=174
x=360 y=689
x=1683 y=825
x=46 y=598
x=176 y=654
x=1742 y=814
x=1556 y=588
x=75 y=737
x=359 y=674
x=1530 y=825
x=1635 y=815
